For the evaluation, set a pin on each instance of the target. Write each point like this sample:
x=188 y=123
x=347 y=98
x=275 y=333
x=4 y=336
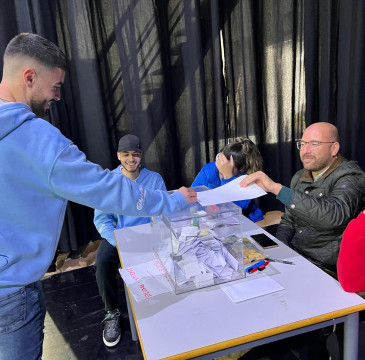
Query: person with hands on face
x=237 y=158
x=226 y=167
x=323 y=197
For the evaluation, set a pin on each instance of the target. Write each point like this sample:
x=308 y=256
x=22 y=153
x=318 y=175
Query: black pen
x=280 y=261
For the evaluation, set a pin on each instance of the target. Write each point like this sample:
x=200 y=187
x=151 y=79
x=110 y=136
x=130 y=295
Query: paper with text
x=230 y=192
x=146 y=280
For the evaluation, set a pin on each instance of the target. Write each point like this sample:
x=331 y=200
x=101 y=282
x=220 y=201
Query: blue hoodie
x=106 y=223
x=40 y=170
x=210 y=177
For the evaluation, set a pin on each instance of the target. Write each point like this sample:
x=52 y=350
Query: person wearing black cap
x=107 y=260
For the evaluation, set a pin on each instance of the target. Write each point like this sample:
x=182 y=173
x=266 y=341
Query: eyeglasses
x=312 y=144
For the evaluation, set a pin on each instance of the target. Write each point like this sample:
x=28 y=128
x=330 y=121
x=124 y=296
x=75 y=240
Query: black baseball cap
x=130 y=143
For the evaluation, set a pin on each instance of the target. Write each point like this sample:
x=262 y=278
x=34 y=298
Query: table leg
x=351 y=337
x=130 y=315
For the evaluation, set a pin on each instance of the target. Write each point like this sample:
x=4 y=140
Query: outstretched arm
x=190 y=194
x=261 y=179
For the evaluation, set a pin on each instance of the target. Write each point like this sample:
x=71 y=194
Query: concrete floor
x=73 y=327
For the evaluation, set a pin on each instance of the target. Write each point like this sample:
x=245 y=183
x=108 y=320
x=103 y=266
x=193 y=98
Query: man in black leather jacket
x=323 y=197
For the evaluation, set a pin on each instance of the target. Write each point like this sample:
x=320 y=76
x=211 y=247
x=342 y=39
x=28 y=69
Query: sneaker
x=111 y=333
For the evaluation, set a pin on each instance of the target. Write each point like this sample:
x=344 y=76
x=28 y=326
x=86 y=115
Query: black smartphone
x=264 y=241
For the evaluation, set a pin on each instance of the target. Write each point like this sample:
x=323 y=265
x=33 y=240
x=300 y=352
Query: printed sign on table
x=146 y=280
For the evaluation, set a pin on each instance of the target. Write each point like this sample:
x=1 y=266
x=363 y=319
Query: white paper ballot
x=245 y=290
x=189 y=231
x=230 y=192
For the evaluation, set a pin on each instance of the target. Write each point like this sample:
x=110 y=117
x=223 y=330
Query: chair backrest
x=270 y=218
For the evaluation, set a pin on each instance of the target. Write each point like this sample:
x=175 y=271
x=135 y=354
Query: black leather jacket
x=319 y=211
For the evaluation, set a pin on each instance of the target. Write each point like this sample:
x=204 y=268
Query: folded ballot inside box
x=202 y=246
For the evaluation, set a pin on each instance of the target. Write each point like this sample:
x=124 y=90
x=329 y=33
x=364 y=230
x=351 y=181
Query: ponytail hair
x=246 y=155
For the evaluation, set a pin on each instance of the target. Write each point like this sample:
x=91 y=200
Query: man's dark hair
x=37 y=48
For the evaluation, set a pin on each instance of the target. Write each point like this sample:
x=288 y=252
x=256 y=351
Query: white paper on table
x=245 y=290
x=230 y=192
x=146 y=280
x=189 y=231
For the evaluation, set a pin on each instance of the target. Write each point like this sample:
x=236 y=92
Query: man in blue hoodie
x=41 y=170
x=107 y=259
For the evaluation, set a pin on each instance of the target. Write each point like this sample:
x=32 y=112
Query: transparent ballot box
x=202 y=246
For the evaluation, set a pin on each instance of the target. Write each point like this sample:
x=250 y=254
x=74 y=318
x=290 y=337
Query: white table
x=202 y=322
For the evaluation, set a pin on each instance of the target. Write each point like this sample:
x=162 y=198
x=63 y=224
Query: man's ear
x=335 y=148
x=29 y=76
x=118 y=156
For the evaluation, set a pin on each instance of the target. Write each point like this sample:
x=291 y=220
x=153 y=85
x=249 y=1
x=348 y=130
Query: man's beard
x=39 y=108
x=137 y=169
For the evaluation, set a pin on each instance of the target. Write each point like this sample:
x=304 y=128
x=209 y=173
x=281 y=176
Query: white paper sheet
x=230 y=192
x=249 y=289
x=146 y=280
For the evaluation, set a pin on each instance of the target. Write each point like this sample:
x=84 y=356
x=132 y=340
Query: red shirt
x=350 y=263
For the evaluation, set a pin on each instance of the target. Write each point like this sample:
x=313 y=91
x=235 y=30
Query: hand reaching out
x=190 y=194
x=261 y=179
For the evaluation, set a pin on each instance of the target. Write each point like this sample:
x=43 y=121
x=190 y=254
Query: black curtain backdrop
x=188 y=76
x=265 y=82
x=335 y=70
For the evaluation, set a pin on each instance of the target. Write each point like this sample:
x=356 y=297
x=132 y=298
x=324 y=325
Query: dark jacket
x=319 y=211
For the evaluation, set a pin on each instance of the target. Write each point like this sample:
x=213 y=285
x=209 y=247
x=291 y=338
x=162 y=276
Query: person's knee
x=101 y=264
x=105 y=266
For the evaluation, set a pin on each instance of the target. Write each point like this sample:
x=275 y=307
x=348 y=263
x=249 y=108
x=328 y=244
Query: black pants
x=106 y=265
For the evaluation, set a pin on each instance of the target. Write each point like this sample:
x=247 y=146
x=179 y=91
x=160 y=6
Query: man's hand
x=225 y=167
x=190 y=194
x=261 y=179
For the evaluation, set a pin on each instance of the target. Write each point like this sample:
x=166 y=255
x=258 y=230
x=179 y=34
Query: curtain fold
x=334 y=58
x=264 y=53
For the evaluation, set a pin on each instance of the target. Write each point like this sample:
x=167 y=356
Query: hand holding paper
x=230 y=192
x=263 y=181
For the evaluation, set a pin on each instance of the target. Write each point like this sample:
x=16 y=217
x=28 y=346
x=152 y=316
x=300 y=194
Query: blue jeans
x=22 y=316
x=106 y=265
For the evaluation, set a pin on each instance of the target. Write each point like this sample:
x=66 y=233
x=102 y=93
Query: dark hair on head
x=37 y=48
x=246 y=155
